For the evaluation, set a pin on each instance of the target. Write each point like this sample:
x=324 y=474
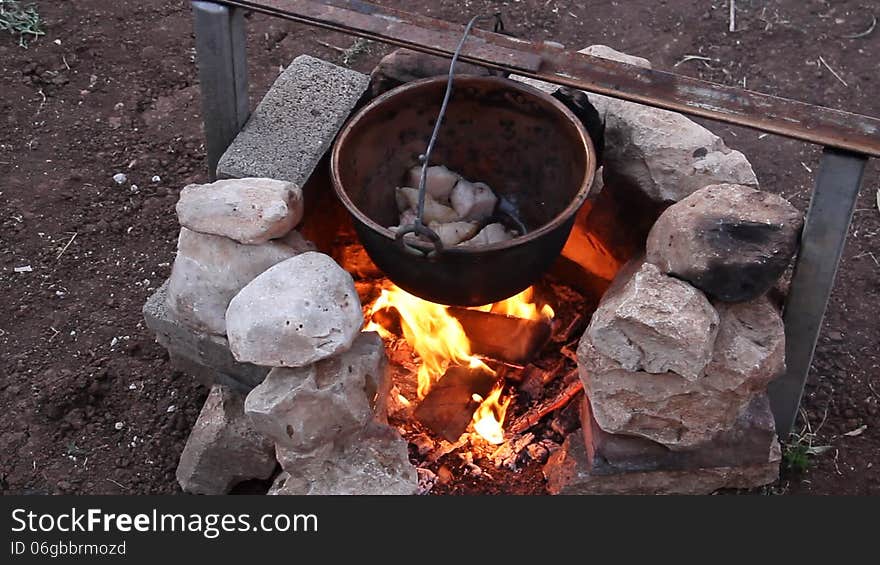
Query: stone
x=663 y=156
x=305 y=408
x=652 y=158
x=568 y=472
x=746 y=442
x=294 y=125
x=297 y=242
x=749 y=350
x=295 y=313
x=404 y=65
x=248 y=210
x=679 y=412
x=729 y=240
x=208 y=272
x=376 y=464
x=204 y=356
x=223 y=449
x=648 y=321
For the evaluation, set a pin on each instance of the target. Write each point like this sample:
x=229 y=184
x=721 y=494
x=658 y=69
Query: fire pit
x=526 y=145
x=623 y=365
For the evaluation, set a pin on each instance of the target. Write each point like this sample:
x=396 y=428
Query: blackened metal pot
x=523 y=143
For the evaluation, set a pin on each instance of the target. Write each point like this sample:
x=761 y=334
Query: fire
x=440 y=341
x=489 y=417
x=437 y=338
x=519 y=306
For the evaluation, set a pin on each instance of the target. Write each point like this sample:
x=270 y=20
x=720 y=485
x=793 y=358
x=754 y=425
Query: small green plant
x=360 y=47
x=798 y=452
x=23 y=21
x=796 y=458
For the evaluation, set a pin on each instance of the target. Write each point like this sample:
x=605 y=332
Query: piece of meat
x=439 y=182
x=493 y=233
x=453 y=233
x=473 y=201
x=408 y=199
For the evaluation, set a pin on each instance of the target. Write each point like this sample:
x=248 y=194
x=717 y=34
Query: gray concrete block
x=204 y=356
x=295 y=123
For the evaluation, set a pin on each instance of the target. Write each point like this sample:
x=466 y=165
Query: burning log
x=507 y=339
x=388 y=318
x=449 y=407
x=504 y=338
x=534 y=414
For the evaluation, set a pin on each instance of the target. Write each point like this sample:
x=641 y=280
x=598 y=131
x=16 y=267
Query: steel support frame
x=822 y=240
x=222 y=60
x=220 y=45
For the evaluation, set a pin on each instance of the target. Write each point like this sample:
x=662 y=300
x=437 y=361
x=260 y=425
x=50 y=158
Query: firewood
x=564 y=335
x=449 y=406
x=504 y=338
x=570 y=350
x=388 y=318
x=535 y=413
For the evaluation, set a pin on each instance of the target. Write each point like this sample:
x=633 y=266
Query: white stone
x=304 y=408
x=648 y=321
x=376 y=463
x=209 y=270
x=300 y=311
x=680 y=412
x=248 y=210
x=223 y=449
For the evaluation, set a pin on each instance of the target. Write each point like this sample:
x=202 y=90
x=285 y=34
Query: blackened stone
x=731 y=241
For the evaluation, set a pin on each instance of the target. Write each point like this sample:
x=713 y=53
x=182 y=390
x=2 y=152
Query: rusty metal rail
x=848 y=139
x=789 y=118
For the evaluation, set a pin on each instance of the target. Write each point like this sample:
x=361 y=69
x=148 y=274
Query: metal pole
x=822 y=241
x=220 y=48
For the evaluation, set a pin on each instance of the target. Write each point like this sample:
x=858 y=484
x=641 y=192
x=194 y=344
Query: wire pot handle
x=418 y=227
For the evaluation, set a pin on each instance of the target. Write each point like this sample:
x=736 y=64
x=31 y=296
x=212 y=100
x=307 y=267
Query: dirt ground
x=91 y=405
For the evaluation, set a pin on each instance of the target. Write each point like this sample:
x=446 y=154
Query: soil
x=91 y=403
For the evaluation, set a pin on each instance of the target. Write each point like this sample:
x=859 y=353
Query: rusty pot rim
x=567 y=213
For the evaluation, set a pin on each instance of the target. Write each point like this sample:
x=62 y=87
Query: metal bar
x=789 y=118
x=822 y=240
x=222 y=59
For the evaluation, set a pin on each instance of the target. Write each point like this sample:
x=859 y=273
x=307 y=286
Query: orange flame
x=440 y=341
x=437 y=338
x=489 y=417
x=519 y=306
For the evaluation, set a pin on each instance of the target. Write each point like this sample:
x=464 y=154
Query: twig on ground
x=833 y=72
x=330 y=46
x=63 y=249
x=687 y=58
x=874 y=392
x=732 y=27
x=117 y=484
x=865 y=33
x=869 y=254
